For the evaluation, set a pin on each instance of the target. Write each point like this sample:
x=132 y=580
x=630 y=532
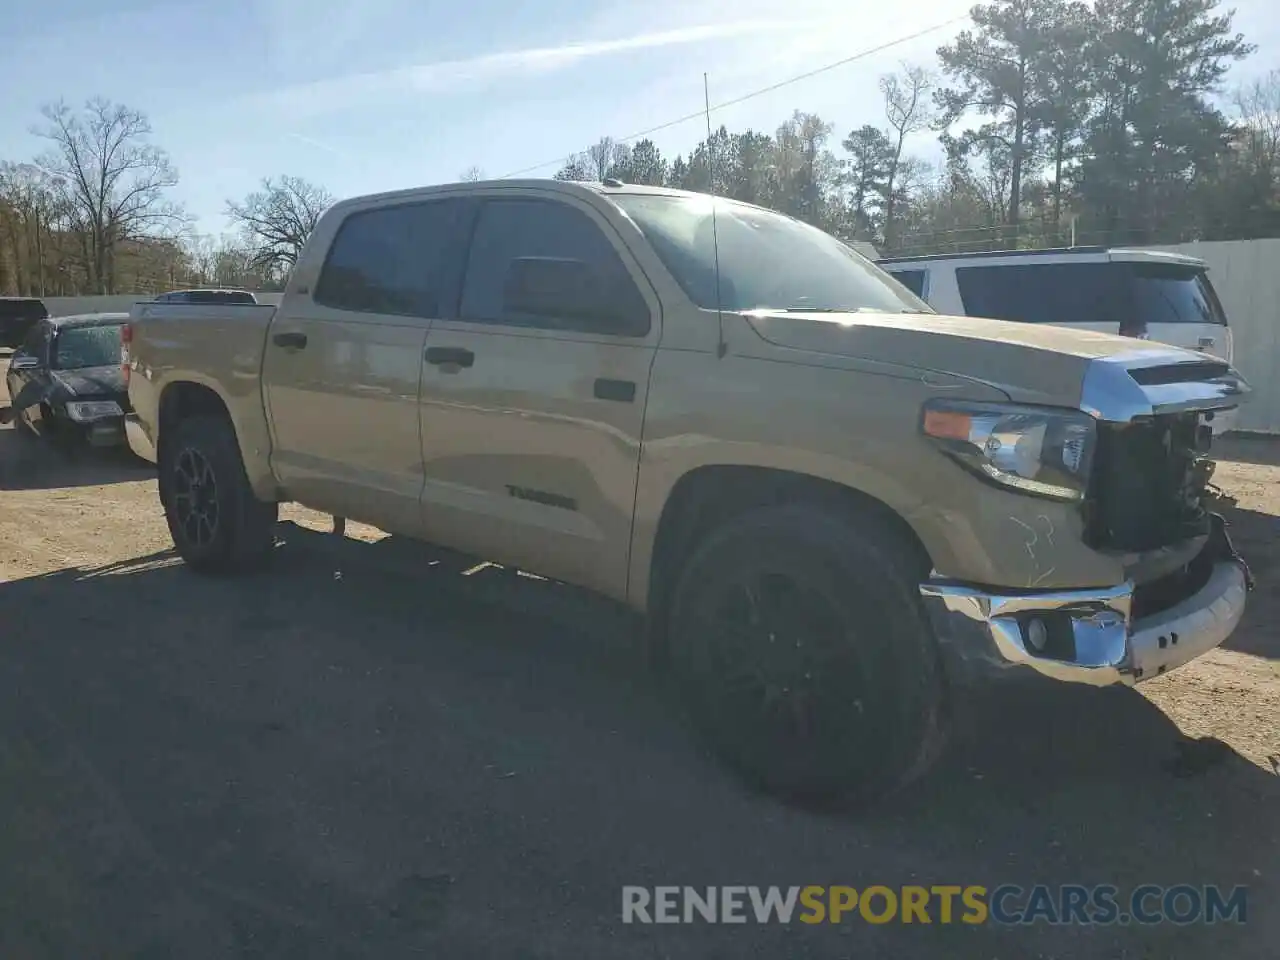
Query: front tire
x=217 y=524
x=798 y=636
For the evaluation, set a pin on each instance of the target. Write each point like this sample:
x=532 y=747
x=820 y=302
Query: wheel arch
x=183 y=399
x=707 y=496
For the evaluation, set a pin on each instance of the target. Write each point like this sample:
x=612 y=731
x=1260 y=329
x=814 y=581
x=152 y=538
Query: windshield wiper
x=803 y=309
x=832 y=310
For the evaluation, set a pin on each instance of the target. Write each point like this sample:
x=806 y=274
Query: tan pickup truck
x=841 y=512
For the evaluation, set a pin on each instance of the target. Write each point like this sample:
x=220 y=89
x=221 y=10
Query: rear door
x=343 y=365
x=531 y=424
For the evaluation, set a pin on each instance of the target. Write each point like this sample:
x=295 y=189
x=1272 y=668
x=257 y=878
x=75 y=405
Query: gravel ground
x=375 y=751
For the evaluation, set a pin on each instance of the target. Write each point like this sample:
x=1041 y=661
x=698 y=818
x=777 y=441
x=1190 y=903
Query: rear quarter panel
x=217 y=347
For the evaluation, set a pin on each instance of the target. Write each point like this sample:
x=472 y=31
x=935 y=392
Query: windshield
x=80 y=347
x=766 y=260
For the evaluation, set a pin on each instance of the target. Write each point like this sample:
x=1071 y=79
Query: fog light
x=1037 y=634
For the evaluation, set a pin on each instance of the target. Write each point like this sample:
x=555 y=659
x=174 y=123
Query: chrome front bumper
x=139 y=442
x=984 y=635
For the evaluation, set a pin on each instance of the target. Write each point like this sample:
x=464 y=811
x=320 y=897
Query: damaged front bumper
x=1087 y=636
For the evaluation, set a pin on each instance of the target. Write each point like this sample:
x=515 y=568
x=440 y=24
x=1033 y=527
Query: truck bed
x=217 y=346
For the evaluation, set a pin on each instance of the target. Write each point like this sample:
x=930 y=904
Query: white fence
x=1246 y=274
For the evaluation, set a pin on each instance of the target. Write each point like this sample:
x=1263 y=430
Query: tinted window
x=1043 y=292
x=207 y=296
x=1170 y=293
x=913 y=280
x=1130 y=295
x=510 y=230
x=33 y=343
x=24 y=309
x=392 y=260
x=765 y=259
x=80 y=347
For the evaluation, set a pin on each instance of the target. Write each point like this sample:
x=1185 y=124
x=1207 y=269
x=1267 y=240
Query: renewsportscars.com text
x=1007 y=904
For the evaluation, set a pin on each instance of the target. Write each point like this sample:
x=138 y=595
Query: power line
x=758 y=93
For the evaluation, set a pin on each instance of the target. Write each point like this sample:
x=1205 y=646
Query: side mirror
x=24 y=361
x=573 y=290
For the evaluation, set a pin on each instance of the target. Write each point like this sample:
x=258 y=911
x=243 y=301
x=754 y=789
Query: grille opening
x=1148 y=484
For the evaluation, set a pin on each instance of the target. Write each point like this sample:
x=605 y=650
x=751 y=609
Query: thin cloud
x=327 y=148
x=339 y=92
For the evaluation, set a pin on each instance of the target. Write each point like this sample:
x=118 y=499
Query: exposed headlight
x=1036 y=450
x=83 y=410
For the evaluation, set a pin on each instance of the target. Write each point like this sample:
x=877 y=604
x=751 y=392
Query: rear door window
x=1131 y=294
x=399 y=260
x=1061 y=293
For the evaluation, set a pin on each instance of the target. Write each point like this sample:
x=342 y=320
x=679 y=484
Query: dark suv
x=17 y=316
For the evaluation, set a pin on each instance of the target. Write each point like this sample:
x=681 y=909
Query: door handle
x=1207 y=342
x=623 y=391
x=291 y=341
x=457 y=356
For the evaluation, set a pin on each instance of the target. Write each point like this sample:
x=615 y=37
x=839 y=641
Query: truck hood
x=91 y=382
x=1030 y=363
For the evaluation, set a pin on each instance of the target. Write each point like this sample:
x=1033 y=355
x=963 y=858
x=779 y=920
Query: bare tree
x=471 y=174
x=200 y=251
x=604 y=155
x=577 y=166
x=115 y=181
x=32 y=204
x=908 y=110
x=277 y=220
x=1258 y=127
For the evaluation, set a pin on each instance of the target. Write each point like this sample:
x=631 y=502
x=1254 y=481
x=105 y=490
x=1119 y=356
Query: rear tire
x=217 y=524
x=799 y=639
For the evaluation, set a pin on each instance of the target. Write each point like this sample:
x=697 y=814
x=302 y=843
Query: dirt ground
x=376 y=751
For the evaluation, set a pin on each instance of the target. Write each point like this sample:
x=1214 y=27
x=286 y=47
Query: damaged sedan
x=65 y=381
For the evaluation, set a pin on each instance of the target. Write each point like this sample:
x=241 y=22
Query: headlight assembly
x=1042 y=451
x=82 y=411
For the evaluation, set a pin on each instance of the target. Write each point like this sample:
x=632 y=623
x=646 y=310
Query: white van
x=1166 y=297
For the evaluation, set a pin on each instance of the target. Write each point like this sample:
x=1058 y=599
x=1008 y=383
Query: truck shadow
x=294 y=755
x=1256 y=536
x=1260 y=449
x=37 y=463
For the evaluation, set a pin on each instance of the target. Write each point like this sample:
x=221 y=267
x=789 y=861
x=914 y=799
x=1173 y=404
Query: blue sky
x=368 y=95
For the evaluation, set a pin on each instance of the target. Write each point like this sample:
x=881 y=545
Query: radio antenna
x=721 y=347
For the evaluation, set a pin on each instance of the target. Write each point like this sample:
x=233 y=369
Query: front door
x=28 y=375
x=531 y=423
x=343 y=365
